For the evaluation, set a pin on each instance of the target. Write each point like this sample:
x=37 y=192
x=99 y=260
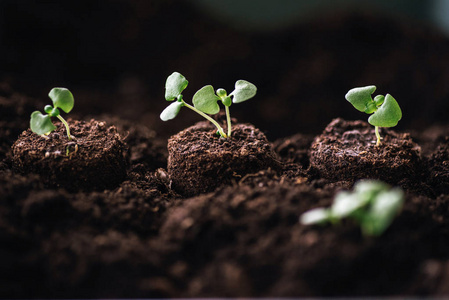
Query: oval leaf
x=360 y=97
x=315 y=216
x=244 y=90
x=171 y=111
x=41 y=124
x=62 y=98
x=174 y=86
x=206 y=100
x=370 y=187
x=388 y=114
x=346 y=203
x=382 y=212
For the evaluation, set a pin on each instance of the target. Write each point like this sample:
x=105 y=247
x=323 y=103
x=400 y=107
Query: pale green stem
x=377 y=135
x=220 y=129
x=66 y=126
x=228 y=119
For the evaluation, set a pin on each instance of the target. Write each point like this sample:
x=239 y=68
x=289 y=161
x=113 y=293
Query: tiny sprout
x=384 y=109
x=41 y=124
x=205 y=100
x=372 y=204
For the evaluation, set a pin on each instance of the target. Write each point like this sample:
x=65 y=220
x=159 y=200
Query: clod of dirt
x=200 y=161
x=94 y=159
x=347 y=150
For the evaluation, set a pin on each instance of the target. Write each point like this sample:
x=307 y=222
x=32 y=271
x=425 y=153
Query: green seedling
x=41 y=124
x=372 y=204
x=384 y=109
x=205 y=101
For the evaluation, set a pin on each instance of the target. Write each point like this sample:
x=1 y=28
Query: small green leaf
x=41 y=124
x=243 y=91
x=388 y=114
x=379 y=99
x=383 y=210
x=226 y=101
x=54 y=112
x=206 y=101
x=346 y=203
x=370 y=187
x=171 y=111
x=360 y=97
x=315 y=216
x=174 y=86
x=370 y=107
x=62 y=98
x=221 y=93
x=48 y=109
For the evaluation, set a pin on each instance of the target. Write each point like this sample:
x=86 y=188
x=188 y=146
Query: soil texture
x=199 y=160
x=439 y=167
x=93 y=160
x=141 y=239
x=347 y=150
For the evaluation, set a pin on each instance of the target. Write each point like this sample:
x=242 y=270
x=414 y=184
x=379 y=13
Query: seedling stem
x=228 y=119
x=377 y=135
x=66 y=126
x=220 y=129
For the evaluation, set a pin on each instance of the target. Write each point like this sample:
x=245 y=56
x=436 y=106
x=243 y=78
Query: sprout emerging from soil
x=384 y=109
x=205 y=100
x=41 y=124
x=372 y=204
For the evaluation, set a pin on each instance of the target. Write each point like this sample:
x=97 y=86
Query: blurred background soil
x=114 y=55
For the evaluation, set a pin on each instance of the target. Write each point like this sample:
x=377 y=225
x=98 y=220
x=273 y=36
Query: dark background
x=302 y=55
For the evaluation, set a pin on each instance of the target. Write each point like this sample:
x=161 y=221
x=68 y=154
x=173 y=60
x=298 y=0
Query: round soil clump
x=347 y=151
x=200 y=161
x=95 y=158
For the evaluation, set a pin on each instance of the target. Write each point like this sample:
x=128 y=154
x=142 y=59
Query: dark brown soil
x=199 y=160
x=439 y=167
x=93 y=159
x=140 y=239
x=221 y=238
x=347 y=151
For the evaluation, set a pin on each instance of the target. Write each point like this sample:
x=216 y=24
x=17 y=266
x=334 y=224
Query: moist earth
x=199 y=160
x=347 y=150
x=93 y=159
x=142 y=239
